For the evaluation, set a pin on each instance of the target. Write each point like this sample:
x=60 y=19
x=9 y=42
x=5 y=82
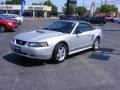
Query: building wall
x=29 y=10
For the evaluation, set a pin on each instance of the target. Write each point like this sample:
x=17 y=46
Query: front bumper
x=11 y=27
x=43 y=53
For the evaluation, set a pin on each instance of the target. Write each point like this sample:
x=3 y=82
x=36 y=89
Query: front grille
x=20 y=52
x=20 y=42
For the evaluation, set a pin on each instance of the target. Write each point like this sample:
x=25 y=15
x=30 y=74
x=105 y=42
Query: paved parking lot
x=88 y=70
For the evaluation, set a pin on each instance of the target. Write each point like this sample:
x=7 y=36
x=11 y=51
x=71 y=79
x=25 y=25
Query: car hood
x=7 y=20
x=38 y=35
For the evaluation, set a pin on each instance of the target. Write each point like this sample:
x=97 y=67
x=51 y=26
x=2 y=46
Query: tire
x=3 y=28
x=116 y=22
x=96 y=44
x=19 y=22
x=101 y=24
x=59 y=53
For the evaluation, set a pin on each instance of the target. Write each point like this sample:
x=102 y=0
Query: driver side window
x=83 y=27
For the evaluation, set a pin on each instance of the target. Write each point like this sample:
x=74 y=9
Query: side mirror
x=77 y=32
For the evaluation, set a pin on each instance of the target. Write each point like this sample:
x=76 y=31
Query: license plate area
x=17 y=49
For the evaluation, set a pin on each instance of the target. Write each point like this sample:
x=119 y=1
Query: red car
x=6 y=24
x=109 y=18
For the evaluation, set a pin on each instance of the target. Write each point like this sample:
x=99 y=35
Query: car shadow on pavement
x=25 y=62
x=6 y=32
x=104 y=54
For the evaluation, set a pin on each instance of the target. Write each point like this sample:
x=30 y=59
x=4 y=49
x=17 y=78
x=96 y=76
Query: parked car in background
x=97 y=20
x=109 y=18
x=6 y=24
x=84 y=18
x=62 y=17
x=19 y=19
x=8 y=17
x=117 y=20
x=69 y=17
x=73 y=17
x=57 y=40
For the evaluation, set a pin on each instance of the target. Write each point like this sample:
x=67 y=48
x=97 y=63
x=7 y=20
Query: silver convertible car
x=57 y=40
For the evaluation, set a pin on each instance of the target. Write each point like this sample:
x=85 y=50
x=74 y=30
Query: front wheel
x=19 y=22
x=2 y=28
x=59 y=53
x=96 y=44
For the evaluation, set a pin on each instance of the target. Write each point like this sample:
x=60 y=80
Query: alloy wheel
x=2 y=28
x=61 y=54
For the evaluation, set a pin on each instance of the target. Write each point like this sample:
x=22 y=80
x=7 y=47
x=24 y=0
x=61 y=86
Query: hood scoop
x=40 y=31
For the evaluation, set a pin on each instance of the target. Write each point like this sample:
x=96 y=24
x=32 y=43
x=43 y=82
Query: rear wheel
x=2 y=28
x=101 y=24
x=59 y=53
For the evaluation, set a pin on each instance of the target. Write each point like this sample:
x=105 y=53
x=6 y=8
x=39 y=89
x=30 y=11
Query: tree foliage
x=81 y=10
x=97 y=10
x=107 y=8
x=73 y=9
x=54 y=10
x=48 y=3
x=13 y=2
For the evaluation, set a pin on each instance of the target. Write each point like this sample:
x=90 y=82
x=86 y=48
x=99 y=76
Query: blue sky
x=60 y=3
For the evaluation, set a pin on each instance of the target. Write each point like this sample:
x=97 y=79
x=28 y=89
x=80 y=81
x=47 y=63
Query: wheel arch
x=98 y=37
x=53 y=53
x=65 y=43
x=5 y=26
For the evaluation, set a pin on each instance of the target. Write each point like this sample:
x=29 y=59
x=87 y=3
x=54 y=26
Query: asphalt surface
x=88 y=70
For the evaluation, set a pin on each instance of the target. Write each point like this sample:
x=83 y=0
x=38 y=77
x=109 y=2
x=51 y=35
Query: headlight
x=10 y=23
x=37 y=44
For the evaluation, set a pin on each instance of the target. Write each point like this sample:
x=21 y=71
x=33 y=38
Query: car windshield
x=11 y=16
x=1 y=17
x=15 y=15
x=61 y=26
x=5 y=16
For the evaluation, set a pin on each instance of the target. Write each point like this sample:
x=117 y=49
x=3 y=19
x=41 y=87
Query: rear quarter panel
x=97 y=32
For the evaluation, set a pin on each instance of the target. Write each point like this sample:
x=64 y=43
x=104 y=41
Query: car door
x=82 y=36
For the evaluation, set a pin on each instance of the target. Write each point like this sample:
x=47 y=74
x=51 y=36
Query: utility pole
x=70 y=2
x=101 y=2
x=83 y=3
x=6 y=6
x=105 y=2
x=68 y=10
